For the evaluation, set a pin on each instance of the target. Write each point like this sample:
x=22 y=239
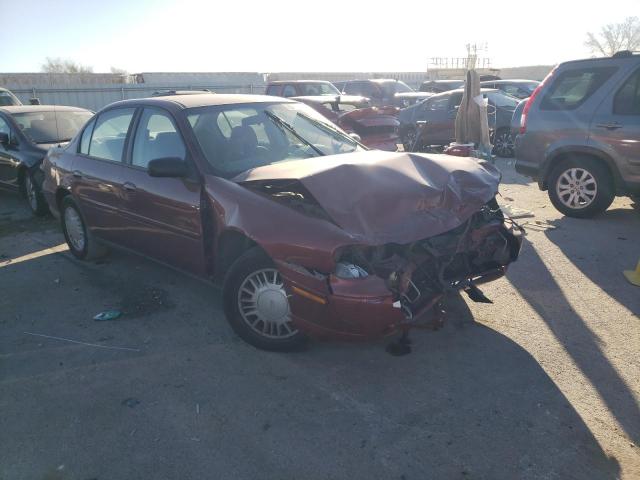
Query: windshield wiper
x=293 y=131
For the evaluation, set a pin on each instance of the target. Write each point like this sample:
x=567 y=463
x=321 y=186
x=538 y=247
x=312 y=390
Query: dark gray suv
x=579 y=133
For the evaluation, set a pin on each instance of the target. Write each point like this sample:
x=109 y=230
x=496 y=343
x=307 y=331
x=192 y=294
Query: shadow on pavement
x=539 y=288
x=466 y=403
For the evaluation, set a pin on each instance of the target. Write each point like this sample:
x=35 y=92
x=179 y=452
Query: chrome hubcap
x=264 y=306
x=577 y=188
x=74 y=228
x=31 y=193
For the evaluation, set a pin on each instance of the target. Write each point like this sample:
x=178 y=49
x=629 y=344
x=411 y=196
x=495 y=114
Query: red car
x=376 y=127
x=309 y=233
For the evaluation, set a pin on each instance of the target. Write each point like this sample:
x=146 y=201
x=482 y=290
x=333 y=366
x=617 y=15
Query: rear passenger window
x=289 y=91
x=156 y=137
x=573 y=87
x=110 y=133
x=86 y=137
x=627 y=100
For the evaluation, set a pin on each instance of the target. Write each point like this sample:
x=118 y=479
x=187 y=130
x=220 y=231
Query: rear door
x=8 y=157
x=161 y=215
x=97 y=171
x=616 y=126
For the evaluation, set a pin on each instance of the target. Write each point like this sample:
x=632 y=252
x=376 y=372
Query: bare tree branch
x=615 y=37
x=59 y=65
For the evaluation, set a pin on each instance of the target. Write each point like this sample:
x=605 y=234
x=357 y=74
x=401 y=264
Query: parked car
x=301 y=88
x=375 y=127
x=310 y=233
x=383 y=92
x=440 y=113
x=440 y=86
x=8 y=99
x=580 y=133
x=26 y=133
x=516 y=88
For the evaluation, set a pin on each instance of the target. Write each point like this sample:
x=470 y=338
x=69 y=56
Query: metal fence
x=96 y=97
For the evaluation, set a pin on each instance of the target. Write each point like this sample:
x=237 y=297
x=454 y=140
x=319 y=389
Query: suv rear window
x=573 y=87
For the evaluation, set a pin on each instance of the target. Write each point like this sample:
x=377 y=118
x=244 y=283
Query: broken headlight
x=348 y=271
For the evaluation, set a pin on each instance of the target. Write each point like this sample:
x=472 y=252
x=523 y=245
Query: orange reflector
x=309 y=295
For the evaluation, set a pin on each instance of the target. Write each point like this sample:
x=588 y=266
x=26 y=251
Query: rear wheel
x=81 y=242
x=34 y=196
x=581 y=187
x=257 y=306
x=503 y=144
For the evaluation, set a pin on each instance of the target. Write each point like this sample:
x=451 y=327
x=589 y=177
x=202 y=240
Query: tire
x=251 y=277
x=74 y=228
x=33 y=194
x=594 y=197
x=503 y=144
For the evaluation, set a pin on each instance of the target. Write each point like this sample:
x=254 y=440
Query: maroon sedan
x=309 y=232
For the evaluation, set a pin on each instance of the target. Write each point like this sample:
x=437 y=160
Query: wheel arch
x=231 y=245
x=567 y=153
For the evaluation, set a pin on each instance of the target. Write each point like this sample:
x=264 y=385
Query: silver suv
x=579 y=133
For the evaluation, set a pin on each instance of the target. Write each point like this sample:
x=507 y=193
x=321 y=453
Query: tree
x=59 y=65
x=615 y=37
x=118 y=71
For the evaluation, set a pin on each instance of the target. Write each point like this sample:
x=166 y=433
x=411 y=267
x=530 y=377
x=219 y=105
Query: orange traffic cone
x=633 y=275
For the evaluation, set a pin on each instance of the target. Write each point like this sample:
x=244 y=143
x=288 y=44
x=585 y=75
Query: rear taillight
x=527 y=106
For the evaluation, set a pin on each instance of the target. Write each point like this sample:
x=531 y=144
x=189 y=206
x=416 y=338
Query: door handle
x=609 y=126
x=77 y=173
x=128 y=186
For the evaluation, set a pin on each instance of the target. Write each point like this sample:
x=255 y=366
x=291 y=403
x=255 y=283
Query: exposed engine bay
x=419 y=272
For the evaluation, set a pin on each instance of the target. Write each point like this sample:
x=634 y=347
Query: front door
x=162 y=215
x=97 y=172
x=439 y=118
x=616 y=125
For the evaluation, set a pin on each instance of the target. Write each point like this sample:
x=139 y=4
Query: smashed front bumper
x=331 y=307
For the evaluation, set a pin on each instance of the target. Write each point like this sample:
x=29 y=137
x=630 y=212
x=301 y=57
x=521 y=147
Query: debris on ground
x=515 y=212
x=130 y=402
x=108 y=315
x=81 y=343
x=539 y=226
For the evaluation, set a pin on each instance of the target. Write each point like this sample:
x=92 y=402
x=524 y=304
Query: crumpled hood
x=382 y=197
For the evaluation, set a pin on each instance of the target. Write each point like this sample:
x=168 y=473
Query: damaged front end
x=420 y=273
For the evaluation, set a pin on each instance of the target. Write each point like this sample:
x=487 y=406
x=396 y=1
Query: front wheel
x=256 y=304
x=35 y=199
x=581 y=187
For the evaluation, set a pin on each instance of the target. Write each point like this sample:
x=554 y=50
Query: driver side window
x=156 y=137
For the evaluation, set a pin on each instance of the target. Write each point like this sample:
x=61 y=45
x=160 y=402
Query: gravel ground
x=542 y=384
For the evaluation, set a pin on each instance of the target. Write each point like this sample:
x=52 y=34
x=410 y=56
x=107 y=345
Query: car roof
x=279 y=82
x=461 y=90
x=41 y=108
x=201 y=100
x=453 y=80
x=618 y=57
x=506 y=81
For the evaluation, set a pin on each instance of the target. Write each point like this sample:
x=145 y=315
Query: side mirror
x=4 y=139
x=356 y=137
x=167 y=167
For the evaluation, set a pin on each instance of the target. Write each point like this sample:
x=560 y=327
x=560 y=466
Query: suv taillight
x=527 y=106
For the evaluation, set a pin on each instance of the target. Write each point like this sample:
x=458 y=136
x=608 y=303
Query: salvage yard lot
x=543 y=384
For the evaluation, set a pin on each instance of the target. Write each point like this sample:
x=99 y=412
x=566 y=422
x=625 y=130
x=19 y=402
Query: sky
x=282 y=35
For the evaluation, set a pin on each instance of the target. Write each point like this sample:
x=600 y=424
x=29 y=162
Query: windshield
x=391 y=88
x=8 y=99
x=499 y=99
x=314 y=89
x=51 y=127
x=235 y=138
